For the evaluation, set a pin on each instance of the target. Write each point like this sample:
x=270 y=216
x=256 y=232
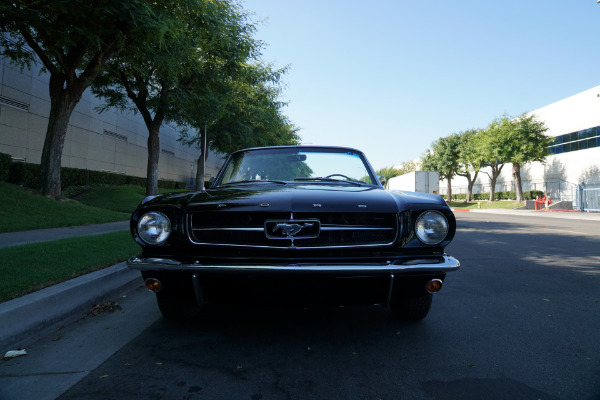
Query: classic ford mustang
x=294 y=225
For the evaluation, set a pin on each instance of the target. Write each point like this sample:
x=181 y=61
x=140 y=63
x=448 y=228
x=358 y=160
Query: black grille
x=337 y=229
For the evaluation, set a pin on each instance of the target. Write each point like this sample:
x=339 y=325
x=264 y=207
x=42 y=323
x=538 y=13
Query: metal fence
x=557 y=190
x=590 y=198
x=584 y=198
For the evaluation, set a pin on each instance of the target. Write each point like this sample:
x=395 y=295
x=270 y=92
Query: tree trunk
x=153 y=156
x=200 y=171
x=470 y=183
x=496 y=170
x=62 y=103
x=517 y=177
x=493 y=179
x=449 y=187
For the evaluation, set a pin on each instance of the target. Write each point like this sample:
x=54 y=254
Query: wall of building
x=577 y=120
x=109 y=141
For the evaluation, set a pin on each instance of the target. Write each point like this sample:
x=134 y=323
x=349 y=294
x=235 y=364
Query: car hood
x=275 y=197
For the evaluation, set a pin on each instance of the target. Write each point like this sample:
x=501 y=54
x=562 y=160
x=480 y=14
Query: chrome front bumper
x=442 y=264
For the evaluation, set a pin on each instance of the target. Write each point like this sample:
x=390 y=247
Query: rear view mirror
x=296 y=158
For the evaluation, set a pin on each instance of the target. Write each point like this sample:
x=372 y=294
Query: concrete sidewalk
x=535 y=214
x=45 y=235
x=25 y=318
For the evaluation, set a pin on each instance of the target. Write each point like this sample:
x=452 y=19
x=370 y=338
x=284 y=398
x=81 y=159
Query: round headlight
x=431 y=227
x=154 y=228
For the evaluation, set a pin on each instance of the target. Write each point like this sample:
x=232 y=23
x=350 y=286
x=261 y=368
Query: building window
x=580 y=140
x=115 y=135
x=7 y=101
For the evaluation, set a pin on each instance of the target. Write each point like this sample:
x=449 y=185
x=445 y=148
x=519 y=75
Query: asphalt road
x=520 y=320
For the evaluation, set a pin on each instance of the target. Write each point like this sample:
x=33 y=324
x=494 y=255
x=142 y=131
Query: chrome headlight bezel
x=154 y=228
x=432 y=227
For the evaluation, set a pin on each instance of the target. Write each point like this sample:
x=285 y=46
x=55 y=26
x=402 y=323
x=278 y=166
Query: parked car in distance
x=294 y=225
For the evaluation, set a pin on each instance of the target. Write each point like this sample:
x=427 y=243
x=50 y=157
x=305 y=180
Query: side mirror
x=382 y=180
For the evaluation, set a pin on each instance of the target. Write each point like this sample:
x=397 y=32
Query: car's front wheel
x=177 y=309
x=411 y=308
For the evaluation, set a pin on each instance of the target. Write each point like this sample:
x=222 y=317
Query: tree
x=513 y=140
x=73 y=39
x=469 y=159
x=243 y=112
x=404 y=168
x=444 y=158
x=205 y=42
x=494 y=145
x=527 y=142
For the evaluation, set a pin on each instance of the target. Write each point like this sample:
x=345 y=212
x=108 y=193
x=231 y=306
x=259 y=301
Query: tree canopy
x=528 y=143
x=73 y=39
x=191 y=62
x=404 y=168
x=205 y=77
x=444 y=158
x=243 y=112
x=470 y=159
x=505 y=140
x=174 y=77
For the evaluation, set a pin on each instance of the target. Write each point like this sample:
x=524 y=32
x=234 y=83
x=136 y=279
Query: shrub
x=5 y=162
x=508 y=195
x=136 y=180
x=28 y=175
x=25 y=174
x=532 y=194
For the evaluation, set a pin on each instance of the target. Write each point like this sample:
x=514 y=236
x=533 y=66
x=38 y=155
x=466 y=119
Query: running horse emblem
x=291 y=230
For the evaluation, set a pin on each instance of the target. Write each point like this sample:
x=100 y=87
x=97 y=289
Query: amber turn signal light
x=153 y=285
x=434 y=285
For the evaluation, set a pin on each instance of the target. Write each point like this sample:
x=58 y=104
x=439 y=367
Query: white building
x=574 y=122
x=111 y=141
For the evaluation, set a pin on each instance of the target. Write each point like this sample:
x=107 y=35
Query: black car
x=294 y=225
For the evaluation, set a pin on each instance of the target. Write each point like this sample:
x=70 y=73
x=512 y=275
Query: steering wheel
x=343 y=176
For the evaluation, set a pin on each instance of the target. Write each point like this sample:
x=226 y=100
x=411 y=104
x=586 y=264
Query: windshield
x=297 y=164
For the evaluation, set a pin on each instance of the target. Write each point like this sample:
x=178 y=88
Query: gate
x=590 y=199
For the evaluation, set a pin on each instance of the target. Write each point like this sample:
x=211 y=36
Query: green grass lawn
x=24 y=209
x=115 y=198
x=124 y=198
x=31 y=267
x=505 y=204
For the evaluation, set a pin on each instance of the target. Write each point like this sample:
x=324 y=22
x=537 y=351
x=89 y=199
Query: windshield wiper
x=321 y=179
x=254 y=181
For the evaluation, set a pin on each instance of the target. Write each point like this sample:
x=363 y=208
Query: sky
x=389 y=77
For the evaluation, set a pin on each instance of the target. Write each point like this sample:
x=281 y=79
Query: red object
x=543 y=201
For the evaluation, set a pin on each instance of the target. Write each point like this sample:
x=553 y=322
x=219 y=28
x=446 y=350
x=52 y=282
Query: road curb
x=25 y=318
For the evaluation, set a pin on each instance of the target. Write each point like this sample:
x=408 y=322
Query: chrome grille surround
x=247 y=229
